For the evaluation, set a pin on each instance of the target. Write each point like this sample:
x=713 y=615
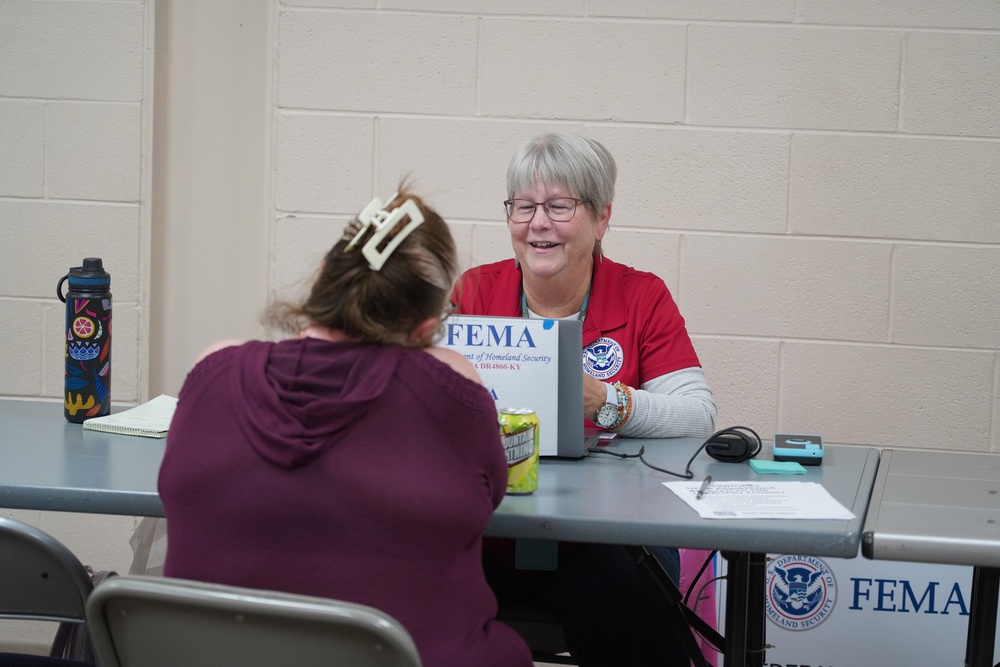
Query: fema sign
x=801 y=592
x=888 y=612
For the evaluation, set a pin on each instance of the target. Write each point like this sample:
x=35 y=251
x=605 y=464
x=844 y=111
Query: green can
x=519 y=433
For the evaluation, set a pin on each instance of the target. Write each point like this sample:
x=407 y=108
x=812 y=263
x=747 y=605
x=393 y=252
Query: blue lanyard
x=583 y=310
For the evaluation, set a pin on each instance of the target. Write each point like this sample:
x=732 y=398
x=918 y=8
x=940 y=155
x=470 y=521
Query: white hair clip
x=375 y=215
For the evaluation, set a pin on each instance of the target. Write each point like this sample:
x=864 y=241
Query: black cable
x=598 y=450
x=733 y=431
x=687 y=474
x=704 y=566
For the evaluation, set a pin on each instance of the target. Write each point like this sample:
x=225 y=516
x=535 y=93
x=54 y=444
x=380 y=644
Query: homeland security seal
x=801 y=592
x=603 y=358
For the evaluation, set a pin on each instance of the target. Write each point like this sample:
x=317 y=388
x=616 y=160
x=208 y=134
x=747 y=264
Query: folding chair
x=40 y=580
x=142 y=621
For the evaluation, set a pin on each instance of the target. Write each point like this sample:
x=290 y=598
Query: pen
x=704 y=486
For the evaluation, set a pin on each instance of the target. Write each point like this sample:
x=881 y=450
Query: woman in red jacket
x=642 y=378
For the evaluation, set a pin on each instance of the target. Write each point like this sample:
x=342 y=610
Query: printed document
x=760 y=500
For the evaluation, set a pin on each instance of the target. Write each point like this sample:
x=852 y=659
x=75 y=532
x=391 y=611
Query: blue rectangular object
x=804 y=449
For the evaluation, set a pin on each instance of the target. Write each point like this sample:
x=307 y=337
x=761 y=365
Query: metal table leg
x=982 y=617
x=745 y=583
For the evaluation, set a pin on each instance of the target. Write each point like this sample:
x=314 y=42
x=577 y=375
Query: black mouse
x=733 y=445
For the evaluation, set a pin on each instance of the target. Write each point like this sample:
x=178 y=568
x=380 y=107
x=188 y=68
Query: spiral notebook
x=149 y=420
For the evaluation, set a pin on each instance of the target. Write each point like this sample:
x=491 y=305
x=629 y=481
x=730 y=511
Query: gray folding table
x=942 y=507
x=48 y=464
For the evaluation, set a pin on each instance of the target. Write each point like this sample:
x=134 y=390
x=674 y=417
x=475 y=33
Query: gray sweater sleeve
x=674 y=405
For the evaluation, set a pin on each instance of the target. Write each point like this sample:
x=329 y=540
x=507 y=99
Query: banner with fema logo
x=832 y=612
x=801 y=592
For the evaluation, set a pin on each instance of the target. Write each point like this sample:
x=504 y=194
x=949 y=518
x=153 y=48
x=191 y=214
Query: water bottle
x=87 y=391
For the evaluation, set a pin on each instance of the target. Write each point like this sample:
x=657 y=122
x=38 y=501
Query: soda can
x=519 y=433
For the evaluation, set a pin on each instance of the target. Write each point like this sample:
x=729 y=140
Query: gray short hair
x=581 y=165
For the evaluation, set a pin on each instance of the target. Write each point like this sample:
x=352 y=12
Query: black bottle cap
x=93 y=264
x=91 y=274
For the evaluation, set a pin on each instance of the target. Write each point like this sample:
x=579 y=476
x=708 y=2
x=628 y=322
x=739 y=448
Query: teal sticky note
x=777 y=467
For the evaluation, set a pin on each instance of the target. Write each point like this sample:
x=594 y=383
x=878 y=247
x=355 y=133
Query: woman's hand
x=595 y=394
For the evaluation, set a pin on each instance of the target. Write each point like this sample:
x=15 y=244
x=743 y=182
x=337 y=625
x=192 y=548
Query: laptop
x=574 y=440
x=516 y=358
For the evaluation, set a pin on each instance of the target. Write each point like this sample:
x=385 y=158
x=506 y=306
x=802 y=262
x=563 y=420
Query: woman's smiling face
x=546 y=248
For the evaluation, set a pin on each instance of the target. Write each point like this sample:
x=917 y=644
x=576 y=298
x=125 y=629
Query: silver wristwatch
x=607 y=414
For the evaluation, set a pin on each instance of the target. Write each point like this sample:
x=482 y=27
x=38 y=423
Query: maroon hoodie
x=359 y=472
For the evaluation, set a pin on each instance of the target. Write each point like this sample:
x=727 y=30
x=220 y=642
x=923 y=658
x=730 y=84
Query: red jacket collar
x=605 y=310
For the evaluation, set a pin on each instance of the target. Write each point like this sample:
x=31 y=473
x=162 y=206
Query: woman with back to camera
x=354 y=461
x=642 y=378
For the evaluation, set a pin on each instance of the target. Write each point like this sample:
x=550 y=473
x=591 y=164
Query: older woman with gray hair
x=642 y=376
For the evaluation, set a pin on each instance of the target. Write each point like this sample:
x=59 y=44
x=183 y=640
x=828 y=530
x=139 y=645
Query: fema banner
x=831 y=612
x=518 y=360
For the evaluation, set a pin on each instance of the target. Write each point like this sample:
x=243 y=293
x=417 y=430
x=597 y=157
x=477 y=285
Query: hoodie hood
x=300 y=396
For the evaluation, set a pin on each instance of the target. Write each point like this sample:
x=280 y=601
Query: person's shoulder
x=488 y=271
x=217 y=346
x=634 y=277
x=474 y=291
x=214 y=360
x=456 y=361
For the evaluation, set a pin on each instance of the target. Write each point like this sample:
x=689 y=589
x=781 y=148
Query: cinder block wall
x=816 y=181
x=72 y=82
x=71 y=140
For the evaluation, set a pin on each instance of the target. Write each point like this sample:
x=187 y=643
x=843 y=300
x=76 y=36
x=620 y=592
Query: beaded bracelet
x=624 y=405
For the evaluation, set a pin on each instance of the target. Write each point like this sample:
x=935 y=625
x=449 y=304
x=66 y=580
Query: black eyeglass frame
x=508 y=205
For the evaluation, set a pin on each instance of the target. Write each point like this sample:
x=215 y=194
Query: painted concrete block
x=976 y=14
x=44 y=239
x=887 y=396
x=22 y=143
x=743 y=376
x=93 y=151
x=323 y=163
x=788 y=288
x=553 y=69
x=947 y=296
x=72 y=50
x=793 y=77
x=949 y=84
x=693 y=179
x=377 y=62
x=899 y=188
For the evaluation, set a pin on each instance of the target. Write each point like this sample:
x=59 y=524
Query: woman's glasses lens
x=560 y=209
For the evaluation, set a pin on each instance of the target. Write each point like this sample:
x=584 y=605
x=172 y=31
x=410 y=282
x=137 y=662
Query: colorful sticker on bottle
x=88 y=357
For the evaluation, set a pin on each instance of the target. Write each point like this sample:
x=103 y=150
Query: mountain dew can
x=519 y=433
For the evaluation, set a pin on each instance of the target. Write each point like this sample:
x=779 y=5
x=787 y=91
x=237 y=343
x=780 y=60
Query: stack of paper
x=761 y=500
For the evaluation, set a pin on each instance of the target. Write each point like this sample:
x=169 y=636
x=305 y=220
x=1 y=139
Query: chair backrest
x=143 y=621
x=40 y=579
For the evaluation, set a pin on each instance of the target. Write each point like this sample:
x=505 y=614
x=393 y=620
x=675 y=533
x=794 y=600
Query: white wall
x=815 y=180
x=72 y=85
x=211 y=172
x=74 y=114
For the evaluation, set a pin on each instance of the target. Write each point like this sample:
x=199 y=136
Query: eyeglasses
x=560 y=209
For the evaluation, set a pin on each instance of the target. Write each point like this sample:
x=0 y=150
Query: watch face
x=607 y=415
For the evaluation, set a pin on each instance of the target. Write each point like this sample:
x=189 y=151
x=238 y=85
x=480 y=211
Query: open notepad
x=150 y=420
